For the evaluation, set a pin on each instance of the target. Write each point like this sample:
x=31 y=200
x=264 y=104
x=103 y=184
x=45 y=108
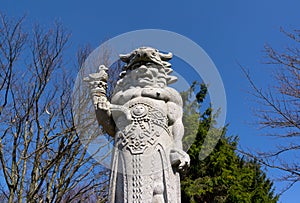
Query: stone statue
x=145 y=118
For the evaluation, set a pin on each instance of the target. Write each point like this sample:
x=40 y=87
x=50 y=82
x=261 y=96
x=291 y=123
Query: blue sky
x=229 y=31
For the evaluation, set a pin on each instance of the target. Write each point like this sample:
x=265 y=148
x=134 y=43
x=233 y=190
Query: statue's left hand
x=179 y=158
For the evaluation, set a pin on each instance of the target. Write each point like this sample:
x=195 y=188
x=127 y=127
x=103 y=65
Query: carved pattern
x=143 y=129
x=137 y=179
x=152 y=171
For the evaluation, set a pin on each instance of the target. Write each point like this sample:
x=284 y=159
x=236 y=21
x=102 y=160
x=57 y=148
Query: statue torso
x=145 y=119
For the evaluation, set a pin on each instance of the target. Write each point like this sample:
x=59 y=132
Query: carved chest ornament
x=146 y=125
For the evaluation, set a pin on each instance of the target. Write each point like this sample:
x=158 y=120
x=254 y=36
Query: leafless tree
x=279 y=110
x=41 y=156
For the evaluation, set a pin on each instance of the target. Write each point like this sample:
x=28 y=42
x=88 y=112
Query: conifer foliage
x=223 y=176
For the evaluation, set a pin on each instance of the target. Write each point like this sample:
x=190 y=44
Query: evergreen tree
x=223 y=176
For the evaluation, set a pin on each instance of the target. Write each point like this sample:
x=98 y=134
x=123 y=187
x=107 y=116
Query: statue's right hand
x=101 y=103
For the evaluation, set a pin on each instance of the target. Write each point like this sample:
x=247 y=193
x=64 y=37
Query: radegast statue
x=145 y=118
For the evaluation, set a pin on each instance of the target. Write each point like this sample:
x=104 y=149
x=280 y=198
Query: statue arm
x=175 y=123
x=98 y=85
x=104 y=117
x=179 y=158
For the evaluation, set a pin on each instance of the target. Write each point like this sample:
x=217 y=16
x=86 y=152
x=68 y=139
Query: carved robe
x=141 y=167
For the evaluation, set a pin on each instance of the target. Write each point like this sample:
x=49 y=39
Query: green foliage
x=223 y=176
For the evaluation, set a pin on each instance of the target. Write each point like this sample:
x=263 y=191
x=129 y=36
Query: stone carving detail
x=145 y=117
x=142 y=132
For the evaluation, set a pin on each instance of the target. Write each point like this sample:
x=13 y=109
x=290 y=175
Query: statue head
x=145 y=55
x=145 y=67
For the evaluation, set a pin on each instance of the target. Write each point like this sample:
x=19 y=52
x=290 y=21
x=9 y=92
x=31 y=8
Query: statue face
x=150 y=76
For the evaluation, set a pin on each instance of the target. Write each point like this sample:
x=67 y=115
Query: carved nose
x=142 y=55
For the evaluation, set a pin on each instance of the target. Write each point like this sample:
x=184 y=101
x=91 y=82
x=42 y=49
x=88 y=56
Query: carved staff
x=98 y=86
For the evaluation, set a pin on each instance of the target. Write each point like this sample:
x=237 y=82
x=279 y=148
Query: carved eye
x=153 y=54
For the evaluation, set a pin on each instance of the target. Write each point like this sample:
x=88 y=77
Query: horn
x=125 y=57
x=166 y=57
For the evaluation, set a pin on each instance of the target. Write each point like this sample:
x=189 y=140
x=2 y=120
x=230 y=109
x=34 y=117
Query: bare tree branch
x=279 y=110
x=41 y=156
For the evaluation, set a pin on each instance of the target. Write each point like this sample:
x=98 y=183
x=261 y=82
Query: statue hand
x=179 y=159
x=101 y=103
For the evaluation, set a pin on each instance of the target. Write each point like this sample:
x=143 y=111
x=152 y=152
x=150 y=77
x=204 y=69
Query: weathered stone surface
x=145 y=117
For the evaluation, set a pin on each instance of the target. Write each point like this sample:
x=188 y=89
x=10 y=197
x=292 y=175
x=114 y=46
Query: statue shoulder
x=174 y=97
